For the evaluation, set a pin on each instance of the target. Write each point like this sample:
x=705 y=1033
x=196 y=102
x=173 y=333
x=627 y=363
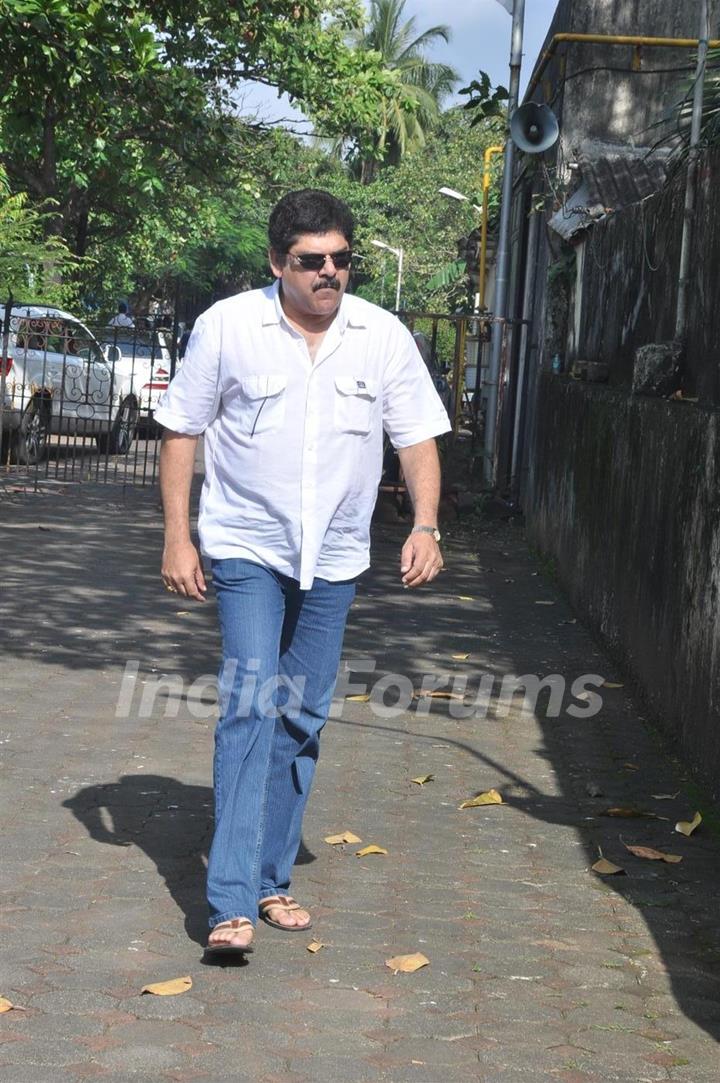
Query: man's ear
x=277 y=262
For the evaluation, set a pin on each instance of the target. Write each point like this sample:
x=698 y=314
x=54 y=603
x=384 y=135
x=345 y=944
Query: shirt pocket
x=354 y=404
x=261 y=403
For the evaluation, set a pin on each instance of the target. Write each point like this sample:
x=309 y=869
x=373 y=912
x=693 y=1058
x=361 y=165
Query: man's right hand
x=182 y=570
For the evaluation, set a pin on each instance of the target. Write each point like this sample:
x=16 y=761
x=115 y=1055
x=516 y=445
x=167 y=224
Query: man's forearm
x=177 y=463
x=421 y=468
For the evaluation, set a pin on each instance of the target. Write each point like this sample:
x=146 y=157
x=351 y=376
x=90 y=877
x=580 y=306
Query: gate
x=77 y=402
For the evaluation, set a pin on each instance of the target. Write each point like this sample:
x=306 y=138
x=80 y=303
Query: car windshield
x=139 y=349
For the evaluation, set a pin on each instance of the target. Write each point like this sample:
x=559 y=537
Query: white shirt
x=121 y=320
x=293 y=449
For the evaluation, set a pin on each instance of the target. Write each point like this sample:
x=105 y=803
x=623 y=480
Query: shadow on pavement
x=82 y=592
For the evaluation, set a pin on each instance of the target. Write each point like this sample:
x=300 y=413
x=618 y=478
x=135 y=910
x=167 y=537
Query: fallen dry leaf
x=631 y=767
x=465 y=598
x=611 y=684
x=182 y=612
x=344 y=836
x=438 y=694
x=460 y=657
x=359 y=698
x=371 y=849
x=168 y=988
x=407 y=964
x=541 y=602
x=422 y=779
x=686 y=827
x=6 y=1005
x=665 y=796
x=653 y=855
x=314 y=946
x=607 y=868
x=629 y=813
x=489 y=797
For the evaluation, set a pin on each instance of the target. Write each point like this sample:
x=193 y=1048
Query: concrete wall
x=625 y=495
x=604 y=103
x=629 y=286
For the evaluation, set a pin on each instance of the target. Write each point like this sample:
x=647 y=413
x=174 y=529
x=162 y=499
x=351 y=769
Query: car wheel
x=123 y=429
x=31 y=439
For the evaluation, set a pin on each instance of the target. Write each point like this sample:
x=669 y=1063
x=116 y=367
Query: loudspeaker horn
x=534 y=128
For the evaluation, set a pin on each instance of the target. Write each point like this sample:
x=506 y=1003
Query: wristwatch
x=427 y=530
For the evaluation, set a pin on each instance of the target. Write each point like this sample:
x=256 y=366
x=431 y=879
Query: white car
x=144 y=364
x=55 y=378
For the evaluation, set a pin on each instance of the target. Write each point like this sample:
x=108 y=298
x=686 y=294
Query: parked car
x=144 y=366
x=55 y=378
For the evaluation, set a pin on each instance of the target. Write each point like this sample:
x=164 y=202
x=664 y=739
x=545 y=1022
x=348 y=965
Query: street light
x=452 y=194
x=484 y=210
x=398 y=253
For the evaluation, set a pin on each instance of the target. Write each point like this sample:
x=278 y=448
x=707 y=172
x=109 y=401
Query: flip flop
x=225 y=947
x=281 y=902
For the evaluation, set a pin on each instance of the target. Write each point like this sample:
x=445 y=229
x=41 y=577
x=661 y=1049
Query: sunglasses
x=311 y=261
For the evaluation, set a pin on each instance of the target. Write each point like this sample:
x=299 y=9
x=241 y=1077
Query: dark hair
x=122 y=307
x=310 y=210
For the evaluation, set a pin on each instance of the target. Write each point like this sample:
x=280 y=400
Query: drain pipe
x=525 y=349
x=681 y=315
x=503 y=253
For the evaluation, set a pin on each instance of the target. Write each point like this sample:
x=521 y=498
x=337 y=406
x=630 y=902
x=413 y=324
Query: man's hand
x=420 y=560
x=182 y=570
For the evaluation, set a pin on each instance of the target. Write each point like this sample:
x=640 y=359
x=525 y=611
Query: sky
x=480 y=40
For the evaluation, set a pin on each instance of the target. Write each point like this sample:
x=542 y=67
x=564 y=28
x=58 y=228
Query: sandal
x=225 y=947
x=281 y=902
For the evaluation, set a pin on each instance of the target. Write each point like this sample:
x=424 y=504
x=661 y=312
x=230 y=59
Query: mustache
x=327 y=283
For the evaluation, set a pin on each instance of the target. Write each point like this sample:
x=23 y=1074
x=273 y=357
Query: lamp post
x=451 y=193
x=398 y=253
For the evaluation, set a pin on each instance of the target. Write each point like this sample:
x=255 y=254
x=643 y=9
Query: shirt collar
x=348 y=315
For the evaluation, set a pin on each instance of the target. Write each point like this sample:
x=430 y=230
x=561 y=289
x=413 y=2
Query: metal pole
x=525 y=345
x=399 y=279
x=489 y=151
x=503 y=256
x=4 y=356
x=681 y=316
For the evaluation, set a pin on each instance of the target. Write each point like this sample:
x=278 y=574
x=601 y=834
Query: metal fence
x=77 y=401
x=453 y=347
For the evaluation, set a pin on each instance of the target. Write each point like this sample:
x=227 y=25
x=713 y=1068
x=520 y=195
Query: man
x=292 y=386
x=121 y=319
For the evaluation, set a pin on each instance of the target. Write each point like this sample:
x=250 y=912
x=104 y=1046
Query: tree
x=402 y=48
x=30 y=263
x=404 y=208
x=104 y=103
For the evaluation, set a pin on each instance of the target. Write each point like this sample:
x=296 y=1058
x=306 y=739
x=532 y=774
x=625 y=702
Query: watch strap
x=427 y=530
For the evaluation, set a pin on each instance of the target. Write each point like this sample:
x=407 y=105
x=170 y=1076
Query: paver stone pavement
x=539 y=968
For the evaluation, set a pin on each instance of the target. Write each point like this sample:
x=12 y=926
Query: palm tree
x=403 y=50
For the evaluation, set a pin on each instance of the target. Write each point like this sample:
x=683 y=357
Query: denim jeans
x=281 y=652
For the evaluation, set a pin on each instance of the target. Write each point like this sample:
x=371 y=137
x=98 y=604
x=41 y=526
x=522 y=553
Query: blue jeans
x=281 y=652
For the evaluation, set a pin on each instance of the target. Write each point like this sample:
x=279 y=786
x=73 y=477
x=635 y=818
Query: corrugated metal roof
x=612 y=177
x=620 y=176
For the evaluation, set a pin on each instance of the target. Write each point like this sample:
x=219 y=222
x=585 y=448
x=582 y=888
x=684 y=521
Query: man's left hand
x=420 y=560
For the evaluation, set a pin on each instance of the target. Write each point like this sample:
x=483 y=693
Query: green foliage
x=710 y=126
x=31 y=265
x=119 y=135
x=405 y=121
x=403 y=207
x=119 y=116
x=484 y=101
